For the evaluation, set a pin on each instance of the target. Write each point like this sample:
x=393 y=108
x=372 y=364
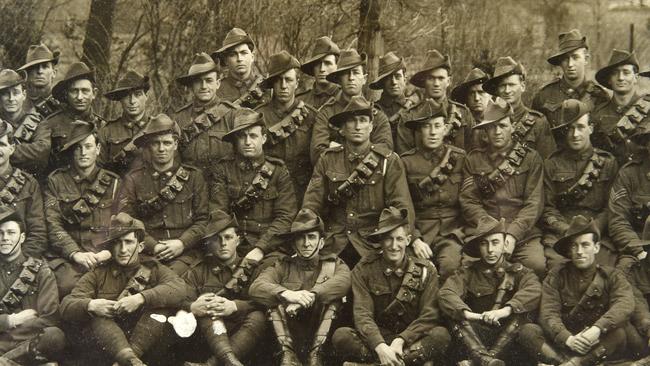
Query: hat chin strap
x=313 y=253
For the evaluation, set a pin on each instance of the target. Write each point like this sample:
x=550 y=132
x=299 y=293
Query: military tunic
x=232 y=89
x=318 y=96
x=548 y=99
x=638 y=275
x=118 y=153
x=32 y=140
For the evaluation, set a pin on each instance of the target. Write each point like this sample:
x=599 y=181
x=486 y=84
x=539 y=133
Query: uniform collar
x=78 y=178
x=434 y=155
x=518 y=110
x=353 y=156
x=246 y=83
x=582 y=274
x=495 y=155
x=581 y=155
x=200 y=108
x=306 y=264
x=167 y=173
x=397 y=271
x=139 y=124
x=117 y=270
x=279 y=110
x=87 y=116
x=7 y=175
x=330 y=89
x=14 y=122
x=14 y=265
x=624 y=108
x=386 y=100
x=250 y=164
x=571 y=91
x=217 y=266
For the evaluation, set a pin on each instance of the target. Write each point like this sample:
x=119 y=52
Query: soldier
x=116 y=300
x=78 y=202
x=434 y=171
x=76 y=91
x=617 y=119
x=31 y=138
x=505 y=180
x=170 y=197
x=229 y=320
x=119 y=154
x=204 y=121
x=530 y=127
x=321 y=63
x=40 y=65
x=471 y=94
x=351 y=75
x=638 y=275
x=490 y=299
x=303 y=292
x=353 y=181
x=577 y=180
x=434 y=79
x=395 y=307
x=573 y=58
x=241 y=84
x=289 y=121
x=391 y=80
x=585 y=307
x=29 y=307
x=255 y=187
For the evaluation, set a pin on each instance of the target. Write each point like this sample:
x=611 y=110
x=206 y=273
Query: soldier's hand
x=173 y=248
x=387 y=356
x=200 y=306
x=422 y=249
x=222 y=308
x=85 y=259
x=642 y=255
x=303 y=298
x=22 y=317
x=102 y=307
x=590 y=335
x=511 y=241
x=577 y=344
x=129 y=304
x=492 y=317
x=397 y=345
x=256 y=254
x=292 y=309
x=103 y=256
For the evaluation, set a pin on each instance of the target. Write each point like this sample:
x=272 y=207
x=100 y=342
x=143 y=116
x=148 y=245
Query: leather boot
x=420 y=352
x=594 y=357
x=220 y=345
x=506 y=336
x=127 y=357
x=547 y=354
x=315 y=357
x=280 y=327
x=477 y=350
x=645 y=361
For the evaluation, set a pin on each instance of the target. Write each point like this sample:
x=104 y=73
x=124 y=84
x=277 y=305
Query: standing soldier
x=118 y=152
x=505 y=180
x=40 y=65
x=395 y=306
x=490 y=299
x=530 y=127
x=572 y=57
x=617 y=119
x=114 y=302
x=78 y=203
x=434 y=79
x=204 y=121
x=471 y=94
x=228 y=319
x=321 y=63
x=434 y=171
x=303 y=292
x=170 y=197
x=255 y=187
x=353 y=181
x=577 y=180
x=241 y=84
x=30 y=303
x=289 y=121
x=351 y=75
x=31 y=138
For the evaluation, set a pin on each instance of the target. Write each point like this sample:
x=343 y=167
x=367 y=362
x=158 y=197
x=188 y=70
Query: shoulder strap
x=48 y=107
x=21 y=286
x=289 y=124
x=626 y=126
x=353 y=183
x=412 y=285
x=578 y=191
x=167 y=194
x=438 y=176
x=14 y=186
x=523 y=127
x=254 y=191
x=137 y=283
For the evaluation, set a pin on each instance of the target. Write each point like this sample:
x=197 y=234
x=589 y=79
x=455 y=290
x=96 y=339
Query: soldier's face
x=433 y=133
x=352 y=81
x=285 y=85
x=250 y=142
x=357 y=129
x=326 y=66
x=134 y=103
x=492 y=247
x=578 y=136
x=623 y=79
x=583 y=250
x=308 y=244
x=395 y=83
x=12 y=99
x=574 y=64
x=205 y=87
x=511 y=88
x=80 y=95
x=224 y=244
x=162 y=148
x=85 y=153
x=394 y=244
x=436 y=83
x=6 y=150
x=239 y=60
x=500 y=133
x=477 y=98
x=11 y=239
x=126 y=250
x=41 y=75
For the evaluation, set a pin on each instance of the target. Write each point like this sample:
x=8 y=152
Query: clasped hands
x=491 y=317
x=214 y=306
x=112 y=308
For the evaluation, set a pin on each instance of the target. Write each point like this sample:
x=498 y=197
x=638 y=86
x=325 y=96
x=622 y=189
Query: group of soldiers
x=427 y=227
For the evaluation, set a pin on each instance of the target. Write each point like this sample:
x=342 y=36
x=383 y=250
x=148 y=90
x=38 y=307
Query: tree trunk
x=97 y=42
x=370 y=39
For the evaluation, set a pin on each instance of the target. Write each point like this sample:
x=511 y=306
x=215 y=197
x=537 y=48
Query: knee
x=440 y=338
x=531 y=334
x=342 y=337
x=51 y=342
x=448 y=258
x=256 y=322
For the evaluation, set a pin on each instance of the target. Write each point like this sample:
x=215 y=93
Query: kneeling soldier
x=220 y=293
x=118 y=299
x=395 y=310
x=303 y=291
x=493 y=294
x=28 y=308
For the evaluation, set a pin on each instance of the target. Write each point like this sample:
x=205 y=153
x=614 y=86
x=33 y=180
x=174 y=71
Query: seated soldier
x=489 y=299
x=585 y=308
x=229 y=321
x=304 y=292
x=29 y=307
x=395 y=310
x=114 y=302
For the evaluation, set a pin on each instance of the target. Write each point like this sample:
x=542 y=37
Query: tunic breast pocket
x=217 y=147
x=516 y=185
x=449 y=190
x=58 y=137
x=381 y=293
x=181 y=213
x=264 y=207
x=562 y=180
x=334 y=180
x=66 y=202
x=372 y=193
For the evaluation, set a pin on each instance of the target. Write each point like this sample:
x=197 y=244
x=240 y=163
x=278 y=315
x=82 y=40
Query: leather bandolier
x=14 y=186
x=578 y=191
x=254 y=191
x=12 y=299
x=489 y=183
x=137 y=283
x=75 y=212
x=166 y=195
x=205 y=121
x=438 y=176
x=352 y=184
x=289 y=124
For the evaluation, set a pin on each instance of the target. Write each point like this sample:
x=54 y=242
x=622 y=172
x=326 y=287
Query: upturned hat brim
x=58 y=91
x=187 y=80
x=491 y=85
x=378 y=83
x=13 y=83
x=556 y=58
x=119 y=93
x=602 y=75
x=54 y=60
x=472 y=243
x=459 y=93
x=74 y=141
x=379 y=233
x=230 y=136
x=308 y=66
x=334 y=76
x=216 y=55
x=562 y=246
x=338 y=119
x=420 y=77
x=415 y=123
x=212 y=231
